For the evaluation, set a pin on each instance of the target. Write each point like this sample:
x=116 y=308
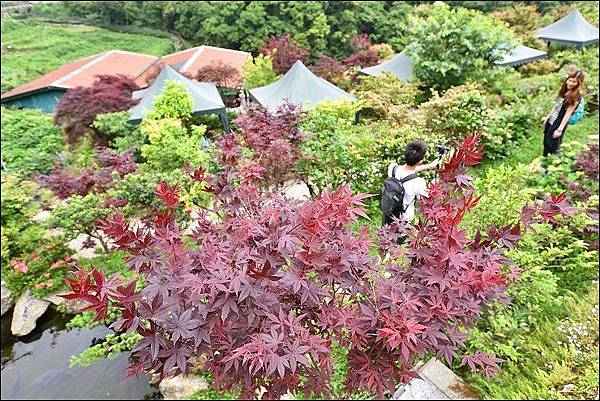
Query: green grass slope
x=37 y=48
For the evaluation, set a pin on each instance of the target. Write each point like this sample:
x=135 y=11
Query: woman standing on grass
x=555 y=123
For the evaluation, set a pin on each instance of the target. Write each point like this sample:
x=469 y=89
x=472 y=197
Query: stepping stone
x=419 y=389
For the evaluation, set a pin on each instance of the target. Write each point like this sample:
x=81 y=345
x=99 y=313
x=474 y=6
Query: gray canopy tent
x=205 y=95
x=572 y=29
x=300 y=86
x=521 y=55
x=400 y=66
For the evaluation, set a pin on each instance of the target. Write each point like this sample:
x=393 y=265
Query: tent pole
x=225 y=123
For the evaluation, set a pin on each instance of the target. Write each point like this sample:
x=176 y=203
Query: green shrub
x=453 y=46
x=258 y=71
x=539 y=67
x=386 y=97
x=543 y=357
x=456 y=112
x=79 y=215
x=170 y=141
x=30 y=140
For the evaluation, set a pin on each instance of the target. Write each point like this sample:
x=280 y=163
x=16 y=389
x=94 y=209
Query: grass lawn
x=529 y=150
x=38 y=48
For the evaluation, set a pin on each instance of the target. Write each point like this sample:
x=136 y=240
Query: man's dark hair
x=415 y=152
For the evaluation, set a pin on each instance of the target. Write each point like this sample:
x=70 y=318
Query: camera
x=442 y=150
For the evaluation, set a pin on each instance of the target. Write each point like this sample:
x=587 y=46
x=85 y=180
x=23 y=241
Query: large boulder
x=27 y=311
x=7 y=299
x=182 y=387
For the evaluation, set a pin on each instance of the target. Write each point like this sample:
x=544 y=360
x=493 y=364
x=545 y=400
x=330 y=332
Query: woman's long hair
x=574 y=95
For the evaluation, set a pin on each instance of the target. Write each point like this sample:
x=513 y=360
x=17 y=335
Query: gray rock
x=181 y=387
x=27 y=311
x=297 y=191
x=8 y=299
x=41 y=216
x=446 y=381
x=68 y=306
x=419 y=389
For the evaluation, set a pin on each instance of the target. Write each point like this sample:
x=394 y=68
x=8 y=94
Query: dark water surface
x=37 y=366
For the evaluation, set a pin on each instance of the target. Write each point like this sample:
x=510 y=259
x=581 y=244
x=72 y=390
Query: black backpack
x=392 y=194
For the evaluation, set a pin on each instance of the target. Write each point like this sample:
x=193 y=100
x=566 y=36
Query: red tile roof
x=135 y=65
x=82 y=72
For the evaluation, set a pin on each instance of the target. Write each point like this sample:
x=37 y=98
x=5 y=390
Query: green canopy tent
x=399 y=66
x=521 y=55
x=204 y=94
x=299 y=86
x=572 y=29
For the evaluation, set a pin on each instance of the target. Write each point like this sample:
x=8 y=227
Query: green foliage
x=258 y=71
x=386 y=97
x=30 y=140
x=458 y=111
x=121 y=134
x=174 y=101
x=171 y=143
x=79 y=215
x=454 y=46
x=560 y=349
x=109 y=348
x=38 y=48
x=504 y=193
x=29 y=253
x=139 y=190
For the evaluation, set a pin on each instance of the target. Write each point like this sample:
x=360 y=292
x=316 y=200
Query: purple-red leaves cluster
x=97 y=179
x=284 y=52
x=364 y=55
x=223 y=75
x=274 y=138
x=78 y=108
x=264 y=287
x=328 y=68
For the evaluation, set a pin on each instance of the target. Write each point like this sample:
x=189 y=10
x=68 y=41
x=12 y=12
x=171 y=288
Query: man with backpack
x=403 y=186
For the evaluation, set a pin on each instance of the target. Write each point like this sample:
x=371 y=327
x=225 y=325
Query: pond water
x=37 y=366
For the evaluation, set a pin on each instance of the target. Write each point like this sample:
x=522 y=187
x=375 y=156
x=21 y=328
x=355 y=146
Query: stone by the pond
x=27 y=311
x=71 y=306
x=7 y=299
x=181 y=387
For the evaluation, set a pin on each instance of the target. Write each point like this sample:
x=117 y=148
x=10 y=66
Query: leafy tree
x=223 y=75
x=78 y=108
x=284 y=52
x=171 y=140
x=264 y=291
x=329 y=68
x=258 y=71
x=274 y=138
x=454 y=46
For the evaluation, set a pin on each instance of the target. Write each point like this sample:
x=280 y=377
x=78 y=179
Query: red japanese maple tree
x=266 y=286
x=284 y=52
x=274 y=138
x=78 y=108
x=223 y=75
